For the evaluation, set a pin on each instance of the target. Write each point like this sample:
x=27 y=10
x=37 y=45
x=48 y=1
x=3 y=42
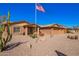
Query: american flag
x=39 y=7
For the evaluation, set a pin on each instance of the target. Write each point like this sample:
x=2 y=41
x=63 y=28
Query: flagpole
x=35 y=14
x=37 y=29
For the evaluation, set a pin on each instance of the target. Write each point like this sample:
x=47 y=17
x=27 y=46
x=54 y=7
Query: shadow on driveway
x=13 y=45
x=60 y=53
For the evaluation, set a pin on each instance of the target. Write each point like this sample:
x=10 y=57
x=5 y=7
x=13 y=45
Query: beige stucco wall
x=45 y=31
x=60 y=31
x=52 y=31
x=18 y=25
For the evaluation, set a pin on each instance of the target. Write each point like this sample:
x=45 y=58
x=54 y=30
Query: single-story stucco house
x=22 y=27
x=26 y=28
x=53 y=29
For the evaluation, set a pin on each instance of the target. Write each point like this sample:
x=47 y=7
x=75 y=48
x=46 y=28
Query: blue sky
x=66 y=14
x=61 y=13
x=19 y=12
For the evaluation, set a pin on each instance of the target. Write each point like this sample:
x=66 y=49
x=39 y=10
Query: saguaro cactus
x=4 y=41
x=8 y=36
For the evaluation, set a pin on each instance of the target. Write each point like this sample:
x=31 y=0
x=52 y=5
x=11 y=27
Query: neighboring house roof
x=45 y=25
x=54 y=26
x=58 y=26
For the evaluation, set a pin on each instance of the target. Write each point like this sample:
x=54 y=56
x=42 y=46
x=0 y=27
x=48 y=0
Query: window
x=16 y=29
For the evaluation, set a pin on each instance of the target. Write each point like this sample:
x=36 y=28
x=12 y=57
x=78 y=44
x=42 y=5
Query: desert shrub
x=24 y=33
x=76 y=37
x=68 y=31
x=68 y=36
x=33 y=35
x=30 y=45
x=72 y=37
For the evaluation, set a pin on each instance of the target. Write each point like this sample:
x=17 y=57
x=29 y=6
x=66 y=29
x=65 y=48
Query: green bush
x=33 y=35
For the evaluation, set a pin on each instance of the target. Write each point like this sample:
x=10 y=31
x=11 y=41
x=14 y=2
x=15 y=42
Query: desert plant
x=68 y=36
x=1 y=43
x=76 y=37
x=4 y=41
x=33 y=36
x=30 y=45
x=72 y=37
x=68 y=31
